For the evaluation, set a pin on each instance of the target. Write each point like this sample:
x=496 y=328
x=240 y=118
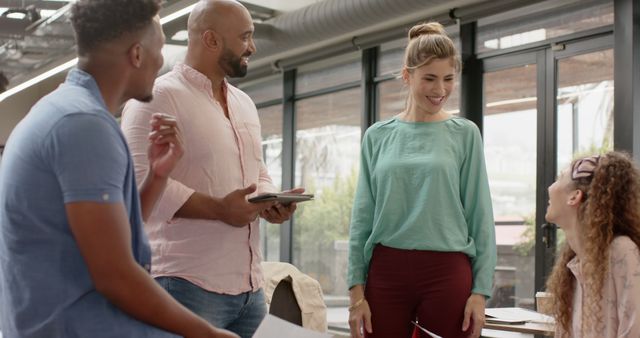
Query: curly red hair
x=611 y=208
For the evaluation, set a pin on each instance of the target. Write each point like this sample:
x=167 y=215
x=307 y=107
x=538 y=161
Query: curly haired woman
x=596 y=280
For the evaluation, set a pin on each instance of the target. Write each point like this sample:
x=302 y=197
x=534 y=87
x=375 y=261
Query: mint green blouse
x=423 y=186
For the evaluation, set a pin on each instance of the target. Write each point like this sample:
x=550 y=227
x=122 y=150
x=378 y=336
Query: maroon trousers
x=408 y=285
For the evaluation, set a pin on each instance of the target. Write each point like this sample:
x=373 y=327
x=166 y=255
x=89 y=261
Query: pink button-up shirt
x=620 y=294
x=221 y=154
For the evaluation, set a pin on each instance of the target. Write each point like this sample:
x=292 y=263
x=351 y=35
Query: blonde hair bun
x=425 y=29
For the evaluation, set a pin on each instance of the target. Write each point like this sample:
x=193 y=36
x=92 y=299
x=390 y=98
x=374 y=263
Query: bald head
x=220 y=37
x=215 y=15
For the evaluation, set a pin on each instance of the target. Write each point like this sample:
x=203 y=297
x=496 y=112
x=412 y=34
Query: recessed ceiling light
x=16 y=16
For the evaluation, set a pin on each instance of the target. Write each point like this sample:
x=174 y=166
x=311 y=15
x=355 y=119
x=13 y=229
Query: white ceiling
x=282 y=5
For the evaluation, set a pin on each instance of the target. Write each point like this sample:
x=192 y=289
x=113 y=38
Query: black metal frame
x=288 y=157
x=471 y=102
x=370 y=113
x=545 y=245
x=626 y=113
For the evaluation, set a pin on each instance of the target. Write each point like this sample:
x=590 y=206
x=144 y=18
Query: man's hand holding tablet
x=285 y=207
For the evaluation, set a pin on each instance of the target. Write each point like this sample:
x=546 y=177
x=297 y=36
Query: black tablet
x=282 y=197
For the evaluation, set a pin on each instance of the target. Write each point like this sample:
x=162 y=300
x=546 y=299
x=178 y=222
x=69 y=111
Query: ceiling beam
x=39 y=4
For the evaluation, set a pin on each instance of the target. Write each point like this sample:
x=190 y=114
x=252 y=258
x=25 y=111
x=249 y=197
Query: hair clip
x=584 y=167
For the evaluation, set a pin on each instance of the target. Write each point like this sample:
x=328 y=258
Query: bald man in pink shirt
x=203 y=233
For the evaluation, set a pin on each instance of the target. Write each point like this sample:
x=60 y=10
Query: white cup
x=543 y=302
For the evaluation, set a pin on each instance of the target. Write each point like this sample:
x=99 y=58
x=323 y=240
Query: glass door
x=541 y=109
x=510 y=143
x=584 y=102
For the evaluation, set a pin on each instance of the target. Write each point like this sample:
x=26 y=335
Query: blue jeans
x=240 y=314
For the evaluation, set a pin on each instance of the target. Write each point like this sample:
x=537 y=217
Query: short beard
x=231 y=64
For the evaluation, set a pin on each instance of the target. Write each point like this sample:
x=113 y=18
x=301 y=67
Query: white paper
x=274 y=327
x=516 y=313
x=431 y=334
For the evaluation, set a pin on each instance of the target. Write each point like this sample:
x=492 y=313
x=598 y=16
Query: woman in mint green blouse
x=422 y=241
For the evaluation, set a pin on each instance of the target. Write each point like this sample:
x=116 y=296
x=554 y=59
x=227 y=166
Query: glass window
x=264 y=89
x=329 y=73
x=584 y=105
x=536 y=23
x=328 y=136
x=510 y=117
x=271 y=123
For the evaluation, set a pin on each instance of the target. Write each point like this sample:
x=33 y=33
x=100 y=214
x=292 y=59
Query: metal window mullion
x=369 y=95
x=471 y=79
x=626 y=111
x=288 y=158
x=546 y=161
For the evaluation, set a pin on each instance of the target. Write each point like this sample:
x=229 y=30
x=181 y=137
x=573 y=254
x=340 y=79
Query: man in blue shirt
x=73 y=252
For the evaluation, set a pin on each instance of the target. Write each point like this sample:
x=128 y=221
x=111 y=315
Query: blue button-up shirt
x=67 y=149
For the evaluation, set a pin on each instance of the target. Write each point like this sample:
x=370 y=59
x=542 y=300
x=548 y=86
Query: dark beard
x=232 y=65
